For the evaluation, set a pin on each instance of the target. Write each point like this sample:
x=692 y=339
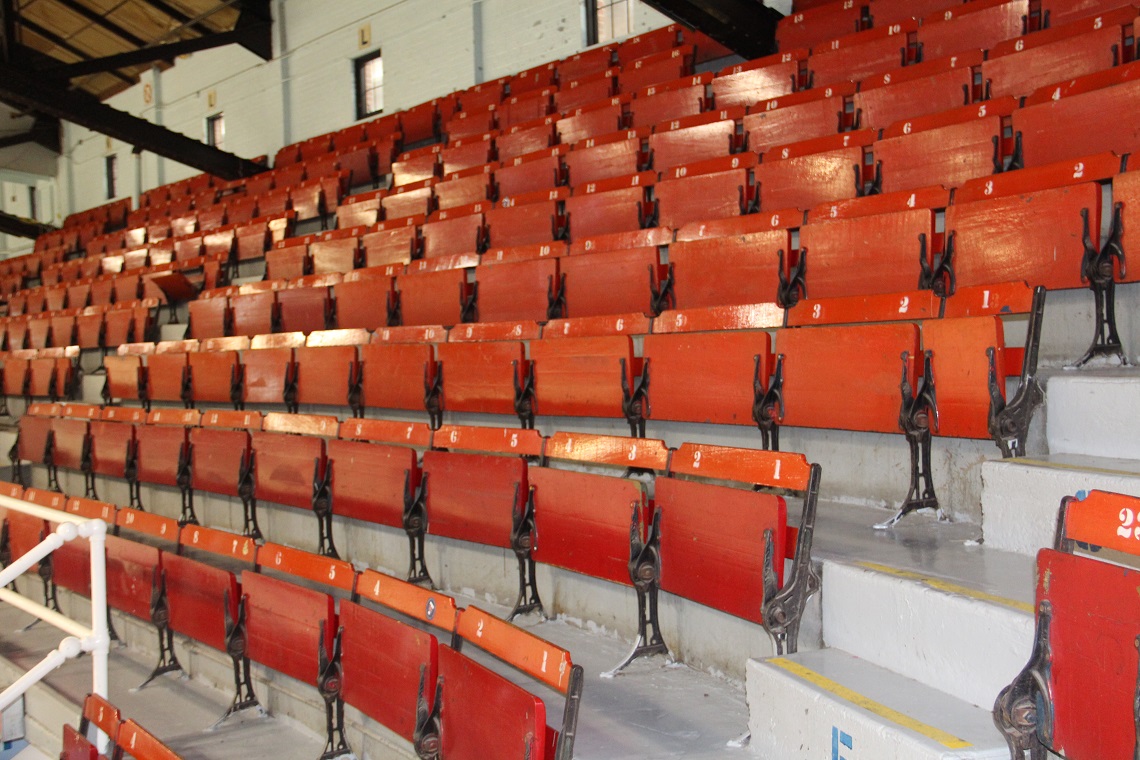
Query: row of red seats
x=482 y=490
x=865 y=246
x=214 y=587
x=127 y=737
x=943 y=27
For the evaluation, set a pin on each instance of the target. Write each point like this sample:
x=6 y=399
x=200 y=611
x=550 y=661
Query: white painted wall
x=430 y=49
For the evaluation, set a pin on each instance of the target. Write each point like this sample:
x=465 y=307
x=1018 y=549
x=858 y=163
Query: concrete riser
x=1092 y=413
x=799 y=722
x=1020 y=500
x=965 y=647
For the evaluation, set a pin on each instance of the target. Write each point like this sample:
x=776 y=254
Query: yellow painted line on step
x=1075 y=467
x=930 y=732
x=948 y=587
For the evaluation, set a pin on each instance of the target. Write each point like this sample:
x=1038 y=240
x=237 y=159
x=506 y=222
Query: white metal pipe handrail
x=96 y=639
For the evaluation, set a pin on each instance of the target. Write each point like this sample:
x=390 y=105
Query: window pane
x=370 y=85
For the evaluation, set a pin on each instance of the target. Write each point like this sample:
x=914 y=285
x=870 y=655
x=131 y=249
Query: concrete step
x=925 y=599
x=1090 y=412
x=831 y=704
x=1020 y=497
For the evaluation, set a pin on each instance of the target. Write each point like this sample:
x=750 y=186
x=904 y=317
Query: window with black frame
x=607 y=20
x=369 y=85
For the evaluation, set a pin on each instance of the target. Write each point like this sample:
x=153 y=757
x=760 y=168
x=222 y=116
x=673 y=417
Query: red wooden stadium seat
x=613 y=282
x=113 y=441
x=337 y=251
x=981 y=24
x=600 y=118
x=724 y=364
x=477 y=498
x=577 y=93
x=409 y=200
x=864 y=54
x=589 y=377
x=917 y=153
x=758 y=527
x=269 y=373
x=416 y=166
x=851 y=253
x=809 y=28
x=1052 y=124
x=327 y=371
x=162 y=457
x=214 y=373
x=806 y=174
x=288 y=468
x=455 y=231
x=586 y=62
x=209 y=318
x=305 y=308
x=695 y=138
x=221 y=459
x=288 y=259
x=468 y=152
x=526 y=138
x=518 y=290
x=366 y=303
x=76 y=746
x=525 y=106
x=254 y=313
x=917 y=90
x=395 y=241
x=385 y=663
x=1071 y=660
x=655 y=69
x=293 y=630
x=870 y=352
x=1054 y=13
x=359 y=210
x=534 y=171
x=379 y=484
x=536 y=221
x=997 y=231
x=488 y=378
x=607 y=156
x=166 y=378
x=397 y=376
x=471 y=123
x=613 y=205
x=466 y=187
x=489 y=715
x=140 y=744
x=1018 y=67
x=669 y=100
x=435 y=298
x=798 y=116
x=713 y=189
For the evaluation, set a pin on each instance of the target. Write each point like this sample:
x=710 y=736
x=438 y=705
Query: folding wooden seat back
x=1061 y=110
x=970 y=27
x=387 y=666
x=670 y=100
x=916 y=153
x=1085 y=638
x=810 y=28
x=712 y=189
x=858 y=56
x=806 y=174
x=1020 y=66
x=752 y=547
x=589 y=377
x=797 y=116
x=288 y=627
x=489 y=714
x=917 y=90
